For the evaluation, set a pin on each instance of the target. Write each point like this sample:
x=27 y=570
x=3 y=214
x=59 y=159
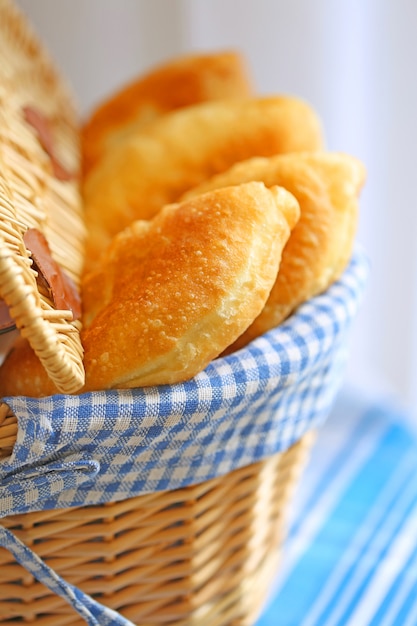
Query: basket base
x=202 y=555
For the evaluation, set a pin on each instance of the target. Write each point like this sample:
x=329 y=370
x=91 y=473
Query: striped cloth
x=351 y=556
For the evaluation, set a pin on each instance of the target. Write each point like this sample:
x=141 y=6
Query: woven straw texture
x=202 y=555
x=38 y=189
x=8 y=430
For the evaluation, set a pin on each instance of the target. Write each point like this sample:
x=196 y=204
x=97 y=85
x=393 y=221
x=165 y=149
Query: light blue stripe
x=408 y=614
x=389 y=519
x=412 y=613
x=378 y=504
x=404 y=585
x=320 y=559
x=366 y=425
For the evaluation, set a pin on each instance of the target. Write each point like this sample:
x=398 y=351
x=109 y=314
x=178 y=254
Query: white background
x=353 y=61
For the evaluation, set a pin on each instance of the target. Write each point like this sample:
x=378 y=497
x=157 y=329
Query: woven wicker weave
x=202 y=555
x=8 y=430
x=33 y=195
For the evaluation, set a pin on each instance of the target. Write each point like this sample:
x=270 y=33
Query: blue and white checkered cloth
x=108 y=446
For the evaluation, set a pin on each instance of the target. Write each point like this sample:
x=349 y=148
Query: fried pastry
x=327 y=186
x=175 y=84
x=175 y=291
x=156 y=166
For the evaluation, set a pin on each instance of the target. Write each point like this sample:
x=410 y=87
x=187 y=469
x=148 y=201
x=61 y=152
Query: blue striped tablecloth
x=351 y=555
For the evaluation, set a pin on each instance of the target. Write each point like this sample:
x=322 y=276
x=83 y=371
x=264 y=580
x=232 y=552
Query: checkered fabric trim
x=102 y=447
x=107 y=446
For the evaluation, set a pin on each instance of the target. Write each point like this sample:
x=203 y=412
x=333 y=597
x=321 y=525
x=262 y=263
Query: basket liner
x=102 y=447
x=108 y=446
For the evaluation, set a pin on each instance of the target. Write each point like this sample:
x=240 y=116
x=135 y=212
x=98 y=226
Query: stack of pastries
x=212 y=214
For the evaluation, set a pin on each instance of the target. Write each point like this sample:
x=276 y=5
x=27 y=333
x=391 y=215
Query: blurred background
x=353 y=61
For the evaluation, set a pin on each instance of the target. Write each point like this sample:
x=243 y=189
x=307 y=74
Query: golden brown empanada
x=175 y=291
x=156 y=166
x=175 y=84
x=327 y=186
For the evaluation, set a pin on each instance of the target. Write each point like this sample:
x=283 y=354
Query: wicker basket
x=39 y=189
x=201 y=554
x=205 y=554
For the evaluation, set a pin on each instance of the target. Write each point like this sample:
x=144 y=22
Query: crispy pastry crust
x=178 y=83
x=327 y=186
x=156 y=166
x=175 y=291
